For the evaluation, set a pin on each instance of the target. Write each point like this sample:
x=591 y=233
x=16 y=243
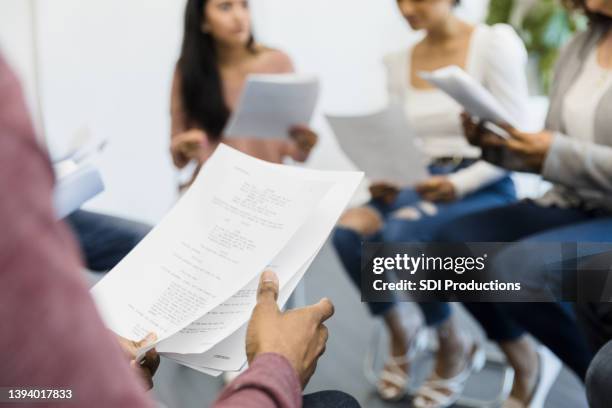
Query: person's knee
x=599 y=378
x=364 y=220
x=345 y=239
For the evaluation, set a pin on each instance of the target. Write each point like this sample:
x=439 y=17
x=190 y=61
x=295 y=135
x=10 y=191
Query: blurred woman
x=218 y=54
x=574 y=153
x=460 y=183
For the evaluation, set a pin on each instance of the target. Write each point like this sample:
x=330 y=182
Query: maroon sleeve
x=50 y=333
x=270 y=382
x=51 y=336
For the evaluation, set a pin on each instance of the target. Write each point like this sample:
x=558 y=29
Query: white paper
x=382 y=145
x=469 y=93
x=75 y=185
x=230 y=354
x=299 y=251
x=271 y=104
x=239 y=213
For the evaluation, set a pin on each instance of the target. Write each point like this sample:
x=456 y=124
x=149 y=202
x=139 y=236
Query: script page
x=382 y=145
x=271 y=104
x=469 y=93
x=301 y=249
x=237 y=216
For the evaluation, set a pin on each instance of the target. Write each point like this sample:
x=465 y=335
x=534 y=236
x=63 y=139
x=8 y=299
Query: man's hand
x=147 y=366
x=298 y=335
x=385 y=192
x=437 y=189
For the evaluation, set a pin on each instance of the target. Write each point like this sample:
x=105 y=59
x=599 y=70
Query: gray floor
x=342 y=366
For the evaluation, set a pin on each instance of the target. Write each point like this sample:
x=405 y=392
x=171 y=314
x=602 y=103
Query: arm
x=505 y=66
x=579 y=164
x=574 y=163
x=475 y=177
x=269 y=382
x=56 y=338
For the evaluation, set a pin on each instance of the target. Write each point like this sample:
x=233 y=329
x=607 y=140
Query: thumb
x=510 y=129
x=267 y=292
x=148 y=340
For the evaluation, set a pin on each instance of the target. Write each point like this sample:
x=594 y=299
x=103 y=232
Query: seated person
x=575 y=154
x=459 y=184
x=104 y=239
x=218 y=53
x=54 y=338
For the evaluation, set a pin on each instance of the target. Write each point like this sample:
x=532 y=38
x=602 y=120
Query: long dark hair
x=594 y=18
x=201 y=88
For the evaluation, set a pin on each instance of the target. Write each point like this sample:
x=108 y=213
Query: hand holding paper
x=299 y=335
x=192 y=280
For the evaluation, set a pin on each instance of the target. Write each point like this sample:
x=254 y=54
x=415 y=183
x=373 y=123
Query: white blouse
x=581 y=101
x=497 y=59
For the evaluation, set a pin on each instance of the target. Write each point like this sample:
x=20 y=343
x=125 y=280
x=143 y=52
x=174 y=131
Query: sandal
x=548 y=371
x=392 y=381
x=440 y=392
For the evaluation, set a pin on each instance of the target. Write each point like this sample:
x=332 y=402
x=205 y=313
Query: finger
x=323 y=337
x=322 y=311
x=511 y=130
x=143 y=373
x=427 y=186
x=267 y=292
x=298 y=128
x=148 y=340
x=516 y=146
x=308 y=373
x=491 y=140
x=422 y=188
x=151 y=361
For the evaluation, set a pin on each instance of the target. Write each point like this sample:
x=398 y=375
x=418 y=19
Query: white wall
x=106 y=66
x=16 y=45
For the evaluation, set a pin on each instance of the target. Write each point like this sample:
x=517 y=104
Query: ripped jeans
x=418 y=221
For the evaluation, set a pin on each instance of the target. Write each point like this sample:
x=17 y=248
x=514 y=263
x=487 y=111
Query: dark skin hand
x=146 y=367
x=304 y=137
x=437 y=189
x=528 y=149
x=385 y=192
x=434 y=189
x=299 y=335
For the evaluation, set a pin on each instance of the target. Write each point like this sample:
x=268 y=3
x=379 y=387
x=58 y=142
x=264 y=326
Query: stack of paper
x=382 y=145
x=77 y=175
x=271 y=104
x=469 y=93
x=193 y=279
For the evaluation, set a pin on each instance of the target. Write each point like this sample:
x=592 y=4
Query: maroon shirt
x=50 y=333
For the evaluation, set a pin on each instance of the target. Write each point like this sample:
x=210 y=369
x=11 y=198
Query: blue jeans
x=104 y=239
x=599 y=378
x=554 y=324
x=329 y=399
x=422 y=229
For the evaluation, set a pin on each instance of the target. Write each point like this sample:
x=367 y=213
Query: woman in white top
x=459 y=184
